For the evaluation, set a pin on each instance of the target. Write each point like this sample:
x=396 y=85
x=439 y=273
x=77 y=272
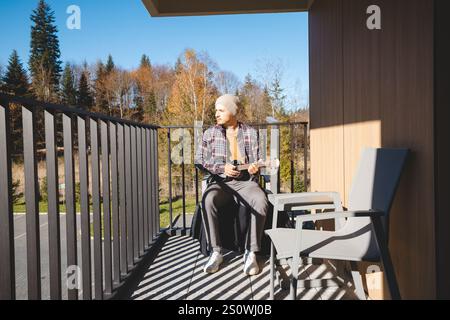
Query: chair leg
x=357 y=281
x=272 y=272
x=386 y=259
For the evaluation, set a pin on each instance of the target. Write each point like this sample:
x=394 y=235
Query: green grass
x=177 y=209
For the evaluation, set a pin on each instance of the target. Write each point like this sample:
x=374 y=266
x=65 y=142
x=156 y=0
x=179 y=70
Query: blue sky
x=238 y=43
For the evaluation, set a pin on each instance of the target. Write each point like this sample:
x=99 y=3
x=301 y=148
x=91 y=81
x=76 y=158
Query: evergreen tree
x=145 y=62
x=84 y=96
x=44 y=64
x=101 y=102
x=1 y=76
x=110 y=66
x=151 y=105
x=278 y=98
x=15 y=80
x=69 y=91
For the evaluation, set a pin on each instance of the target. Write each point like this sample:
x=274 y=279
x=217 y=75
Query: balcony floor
x=176 y=274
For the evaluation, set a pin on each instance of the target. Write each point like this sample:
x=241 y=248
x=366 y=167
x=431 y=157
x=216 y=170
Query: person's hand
x=230 y=171
x=253 y=168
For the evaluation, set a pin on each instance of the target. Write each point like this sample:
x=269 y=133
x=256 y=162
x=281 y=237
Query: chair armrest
x=337 y=215
x=306 y=200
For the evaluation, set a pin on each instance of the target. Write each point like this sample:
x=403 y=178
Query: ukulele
x=273 y=164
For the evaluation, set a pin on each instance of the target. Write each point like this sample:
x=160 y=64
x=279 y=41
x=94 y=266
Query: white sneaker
x=213 y=263
x=250 y=264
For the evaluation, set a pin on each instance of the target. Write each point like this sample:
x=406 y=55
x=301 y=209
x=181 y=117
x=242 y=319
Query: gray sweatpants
x=216 y=197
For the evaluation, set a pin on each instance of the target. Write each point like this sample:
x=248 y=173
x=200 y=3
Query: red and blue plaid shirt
x=214 y=153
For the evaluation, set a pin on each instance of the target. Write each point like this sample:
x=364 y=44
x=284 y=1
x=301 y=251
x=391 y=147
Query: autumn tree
x=193 y=92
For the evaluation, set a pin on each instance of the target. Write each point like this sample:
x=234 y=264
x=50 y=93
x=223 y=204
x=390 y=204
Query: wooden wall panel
x=407 y=121
x=327 y=157
x=361 y=86
x=387 y=92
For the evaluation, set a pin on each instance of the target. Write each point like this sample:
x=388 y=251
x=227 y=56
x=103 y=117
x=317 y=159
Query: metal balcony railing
x=123 y=175
x=118 y=194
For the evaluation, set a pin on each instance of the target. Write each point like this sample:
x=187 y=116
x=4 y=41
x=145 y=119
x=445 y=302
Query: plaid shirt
x=214 y=151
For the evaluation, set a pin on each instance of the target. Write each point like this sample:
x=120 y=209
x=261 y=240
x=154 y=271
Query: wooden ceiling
x=170 y=8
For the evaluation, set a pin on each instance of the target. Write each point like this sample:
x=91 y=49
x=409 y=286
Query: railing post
x=156 y=181
x=183 y=182
x=7 y=265
x=71 y=219
x=32 y=204
x=115 y=203
x=139 y=192
x=145 y=192
x=135 y=195
x=106 y=192
x=54 y=234
x=169 y=164
x=95 y=167
x=305 y=156
x=122 y=196
x=150 y=176
x=292 y=157
x=85 y=211
x=129 y=197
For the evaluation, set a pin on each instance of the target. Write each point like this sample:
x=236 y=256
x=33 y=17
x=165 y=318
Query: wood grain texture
x=326 y=96
x=387 y=93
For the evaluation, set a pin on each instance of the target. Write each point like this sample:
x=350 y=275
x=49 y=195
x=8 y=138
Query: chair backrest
x=375 y=182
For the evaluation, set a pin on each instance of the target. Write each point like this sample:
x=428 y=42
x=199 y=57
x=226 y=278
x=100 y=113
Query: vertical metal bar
x=196 y=186
x=7 y=265
x=149 y=185
x=106 y=207
x=155 y=203
x=140 y=193
x=279 y=157
x=115 y=203
x=95 y=167
x=85 y=212
x=292 y=158
x=305 y=156
x=32 y=204
x=274 y=154
x=183 y=181
x=156 y=181
x=129 y=196
x=69 y=180
x=169 y=165
x=54 y=236
x=122 y=206
x=145 y=186
x=135 y=194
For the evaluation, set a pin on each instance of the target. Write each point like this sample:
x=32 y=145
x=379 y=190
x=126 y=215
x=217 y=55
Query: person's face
x=223 y=116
